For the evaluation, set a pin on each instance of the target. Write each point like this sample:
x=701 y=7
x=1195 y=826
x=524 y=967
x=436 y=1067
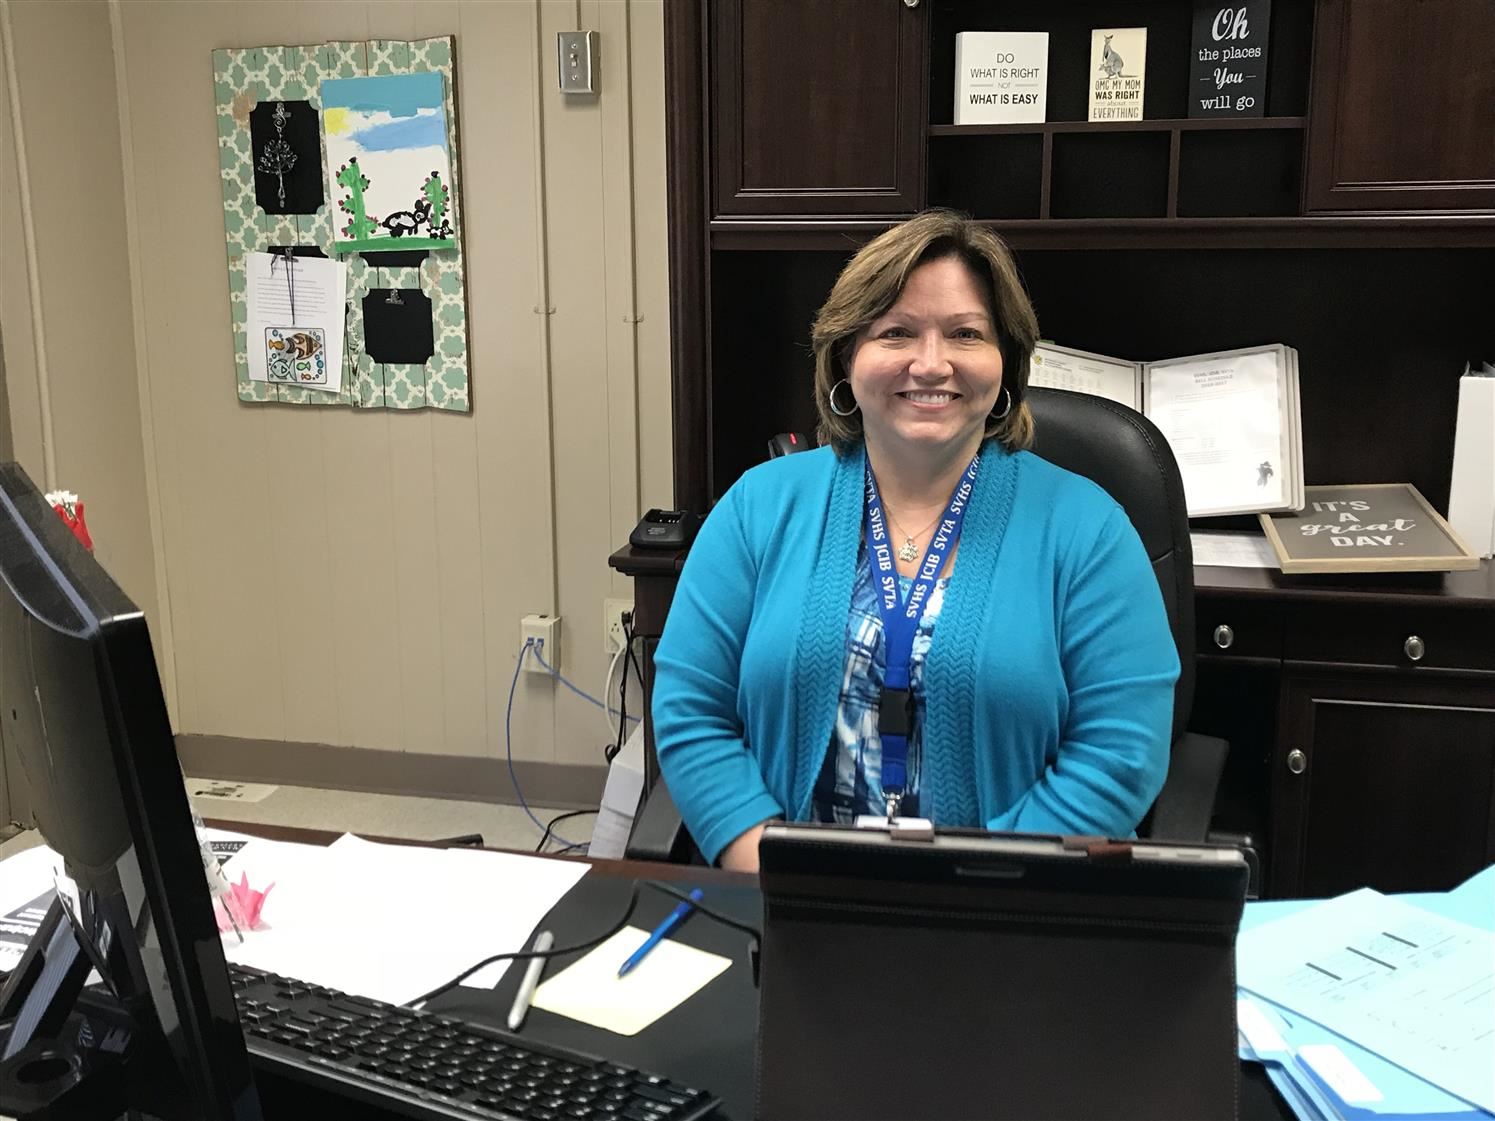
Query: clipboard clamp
x=1100 y=848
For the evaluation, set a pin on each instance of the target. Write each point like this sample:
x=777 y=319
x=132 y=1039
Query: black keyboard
x=425 y=1065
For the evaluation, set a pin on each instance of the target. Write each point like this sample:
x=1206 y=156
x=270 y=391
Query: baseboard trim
x=459 y=777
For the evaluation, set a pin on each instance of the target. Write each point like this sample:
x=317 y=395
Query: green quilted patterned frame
x=241 y=80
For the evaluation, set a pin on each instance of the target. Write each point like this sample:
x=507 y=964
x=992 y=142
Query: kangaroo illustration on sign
x=1110 y=62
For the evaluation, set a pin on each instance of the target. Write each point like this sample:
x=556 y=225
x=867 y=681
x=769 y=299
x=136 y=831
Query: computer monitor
x=81 y=708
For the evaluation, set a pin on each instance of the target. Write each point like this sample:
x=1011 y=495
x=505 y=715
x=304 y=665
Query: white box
x=620 y=799
x=1001 y=77
x=1471 y=495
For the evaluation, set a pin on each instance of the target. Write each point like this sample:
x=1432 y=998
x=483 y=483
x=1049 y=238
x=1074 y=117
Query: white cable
x=607 y=689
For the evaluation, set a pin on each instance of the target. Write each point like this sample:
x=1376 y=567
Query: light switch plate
x=577 y=54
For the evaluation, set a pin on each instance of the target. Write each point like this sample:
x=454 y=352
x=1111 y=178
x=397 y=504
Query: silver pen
x=526 y=993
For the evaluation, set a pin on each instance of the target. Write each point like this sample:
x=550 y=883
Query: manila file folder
x=996 y=976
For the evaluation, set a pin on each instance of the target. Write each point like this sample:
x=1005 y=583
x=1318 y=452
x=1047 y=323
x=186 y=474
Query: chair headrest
x=1122 y=451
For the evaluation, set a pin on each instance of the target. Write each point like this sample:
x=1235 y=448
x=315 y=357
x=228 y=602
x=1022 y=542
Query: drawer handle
x=1297 y=762
x=1224 y=637
x=1414 y=648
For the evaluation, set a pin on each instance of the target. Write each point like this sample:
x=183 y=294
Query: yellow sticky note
x=590 y=990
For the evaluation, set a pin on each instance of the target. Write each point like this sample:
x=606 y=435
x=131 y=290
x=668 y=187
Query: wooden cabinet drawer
x=1237 y=628
x=1365 y=758
x=1388 y=636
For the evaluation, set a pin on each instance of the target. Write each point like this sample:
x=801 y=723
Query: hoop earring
x=1007 y=408
x=838 y=411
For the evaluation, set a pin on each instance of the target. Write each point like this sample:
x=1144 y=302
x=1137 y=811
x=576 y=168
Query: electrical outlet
x=546 y=632
x=613 y=638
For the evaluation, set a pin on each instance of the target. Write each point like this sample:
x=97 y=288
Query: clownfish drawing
x=301 y=344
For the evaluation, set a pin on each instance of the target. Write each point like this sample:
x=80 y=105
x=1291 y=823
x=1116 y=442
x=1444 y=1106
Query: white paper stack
x=1471 y=496
x=391 y=922
x=1233 y=418
x=388 y=922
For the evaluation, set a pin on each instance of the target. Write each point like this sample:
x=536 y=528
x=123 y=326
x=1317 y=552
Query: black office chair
x=1124 y=453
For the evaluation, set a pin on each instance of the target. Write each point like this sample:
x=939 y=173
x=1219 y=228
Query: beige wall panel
x=301 y=580
x=162 y=634
x=378 y=605
x=328 y=662
x=298 y=465
x=464 y=686
x=576 y=193
x=151 y=119
x=358 y=489
x=360 y=523
x=461 y=690
x=456 y=578
x=63 y=57
x=498 y=61
x=417 y=597
x=15 y=304
x=216 y=485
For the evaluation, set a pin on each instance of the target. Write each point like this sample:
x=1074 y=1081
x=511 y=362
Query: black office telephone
x=665 y=529
x=788 y=443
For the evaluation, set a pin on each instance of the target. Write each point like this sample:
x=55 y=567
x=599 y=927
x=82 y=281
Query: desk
x=1370 y=700
x=709 y=1041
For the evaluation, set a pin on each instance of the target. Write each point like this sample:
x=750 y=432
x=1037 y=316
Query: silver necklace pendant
x=908 y=551
x=278 y=157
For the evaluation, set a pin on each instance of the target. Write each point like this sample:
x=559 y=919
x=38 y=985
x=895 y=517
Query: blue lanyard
x=900 y=621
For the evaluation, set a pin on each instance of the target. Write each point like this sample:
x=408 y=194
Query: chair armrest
x=658 y=831
x=1184 y=806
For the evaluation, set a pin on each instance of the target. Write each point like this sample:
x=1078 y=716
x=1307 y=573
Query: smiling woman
x=924 y=618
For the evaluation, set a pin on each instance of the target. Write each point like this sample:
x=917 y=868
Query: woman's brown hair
x=870 y=284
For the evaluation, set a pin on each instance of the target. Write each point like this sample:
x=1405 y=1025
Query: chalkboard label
x=1373 y=527
x=1228 y=68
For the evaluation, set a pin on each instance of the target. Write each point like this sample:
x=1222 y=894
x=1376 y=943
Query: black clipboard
x=971 y=974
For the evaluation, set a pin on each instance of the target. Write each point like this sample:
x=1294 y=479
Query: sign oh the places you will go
x=1228 y=67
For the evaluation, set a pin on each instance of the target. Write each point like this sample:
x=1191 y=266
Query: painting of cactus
x=437 y=204
x=360 y=223
x=387 y=137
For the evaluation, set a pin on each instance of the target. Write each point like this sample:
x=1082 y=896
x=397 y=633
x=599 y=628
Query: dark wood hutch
x=1355 y=221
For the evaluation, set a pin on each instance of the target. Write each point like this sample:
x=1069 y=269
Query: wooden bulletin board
x=242 y=80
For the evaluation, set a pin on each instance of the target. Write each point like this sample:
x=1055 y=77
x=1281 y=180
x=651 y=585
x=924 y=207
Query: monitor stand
x=56 y=1062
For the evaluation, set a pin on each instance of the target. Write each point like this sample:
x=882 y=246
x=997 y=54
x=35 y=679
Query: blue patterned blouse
x=850 y=782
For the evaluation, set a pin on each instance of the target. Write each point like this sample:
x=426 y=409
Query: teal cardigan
x=1049 y=682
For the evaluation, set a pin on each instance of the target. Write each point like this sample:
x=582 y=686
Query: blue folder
x=1404 y=1095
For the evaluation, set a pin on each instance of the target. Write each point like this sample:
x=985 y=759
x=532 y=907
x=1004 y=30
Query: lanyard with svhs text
x=900 y=621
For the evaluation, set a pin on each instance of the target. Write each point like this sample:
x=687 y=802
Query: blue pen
x=662 y=931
